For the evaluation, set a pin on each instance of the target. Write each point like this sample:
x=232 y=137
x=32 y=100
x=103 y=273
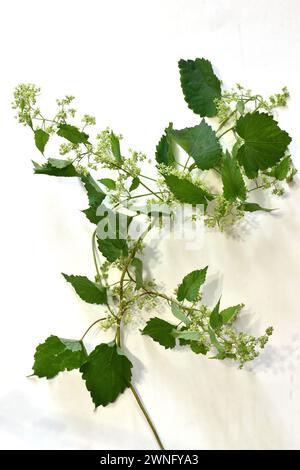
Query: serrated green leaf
x=190 y=286
x=108 y=182
x=200 y=86
x=216 y=320
x=198 y=348
x=228 y=314
x=72 y=134
x=185 y=191
x=137 y=265
x=56 y=355
x=94 y=192
x=112 y=248
x=160 y=331
x=264 y=142
x=91 y=214
x=200 y=143
x=253 y=207
x=87 y=290
x=135 y=183
x=233 y=182
x=281 y=170
x=107 y=373
x=115 y=147
x=41 y=138
x=178 y=313
x=164 y=149
x=48 y=169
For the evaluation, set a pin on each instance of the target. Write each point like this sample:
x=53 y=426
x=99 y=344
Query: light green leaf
x=108 y=182
x=72 y=134
x=115 y=147
x=161 y=332
x=228 y=314
x=214 y=341
x=178 y=313
x=87 y=290
x=233 y=182
x=56 y=355
x=264 y=142
x=137 y=265
x=187 y=335
x=200 y=86
x=190 y=286
x=41 y=138
x=185 y=191
x=107 y=373
x=200 y=143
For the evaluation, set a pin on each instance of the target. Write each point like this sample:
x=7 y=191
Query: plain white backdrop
x=119 y=58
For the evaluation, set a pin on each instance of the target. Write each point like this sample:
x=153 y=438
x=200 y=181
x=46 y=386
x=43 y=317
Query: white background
x=120 y=59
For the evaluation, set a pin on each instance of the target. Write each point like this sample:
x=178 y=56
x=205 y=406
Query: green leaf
x=229 y=313
x=72 y=134
x=200 y=86
x=187 y=335
x=58 y=163
x=164 y=149
x=137 y=265
x=185 y=191
x=41 y=138
x=135 y=183
x=109 y=183
x=115 y=147
x=94 y=192
x=160 y=331
x=198 y=348
x=107 y=373
x=112 y=248
x=216 y=320
x=200 y=143
x=178 y=313
x=233 y=182
x=87 y=290
x=264 y=142
x=281 y=170
x=190 y=286
x=253 y=207
x=91 y=214
x=219 y=347
x=56 y=355
x=51 y=170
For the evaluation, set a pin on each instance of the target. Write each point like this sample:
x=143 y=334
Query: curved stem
x=91 y=326
x=94 y=249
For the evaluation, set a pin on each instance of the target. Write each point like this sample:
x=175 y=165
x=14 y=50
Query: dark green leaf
x=178 y=313
x=201 y=143
x=229 y=313
x=72 y=134
x=137 y=265
x=107 y=373
x=109 y=183
x=264 y=142
x=190 y=286
x=94 y=192
x=198 y=348
x=233 y=182
x=87 y=290
x=200 y=86
x=48 y=169
x=115 y=147
x=216 y=320
x=281 y=170
x=135 y=183
x=112 y=248
x=164 y=149
x=185 y=191
x=253 y=207
x=41 y=138
x=56 y=355
x=214 y=341
x=161 y=332
x=91 y=214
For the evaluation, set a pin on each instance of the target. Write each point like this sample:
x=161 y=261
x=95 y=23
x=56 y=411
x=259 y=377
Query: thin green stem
x=94 y=250
x=91 y=326
x=225 y=132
